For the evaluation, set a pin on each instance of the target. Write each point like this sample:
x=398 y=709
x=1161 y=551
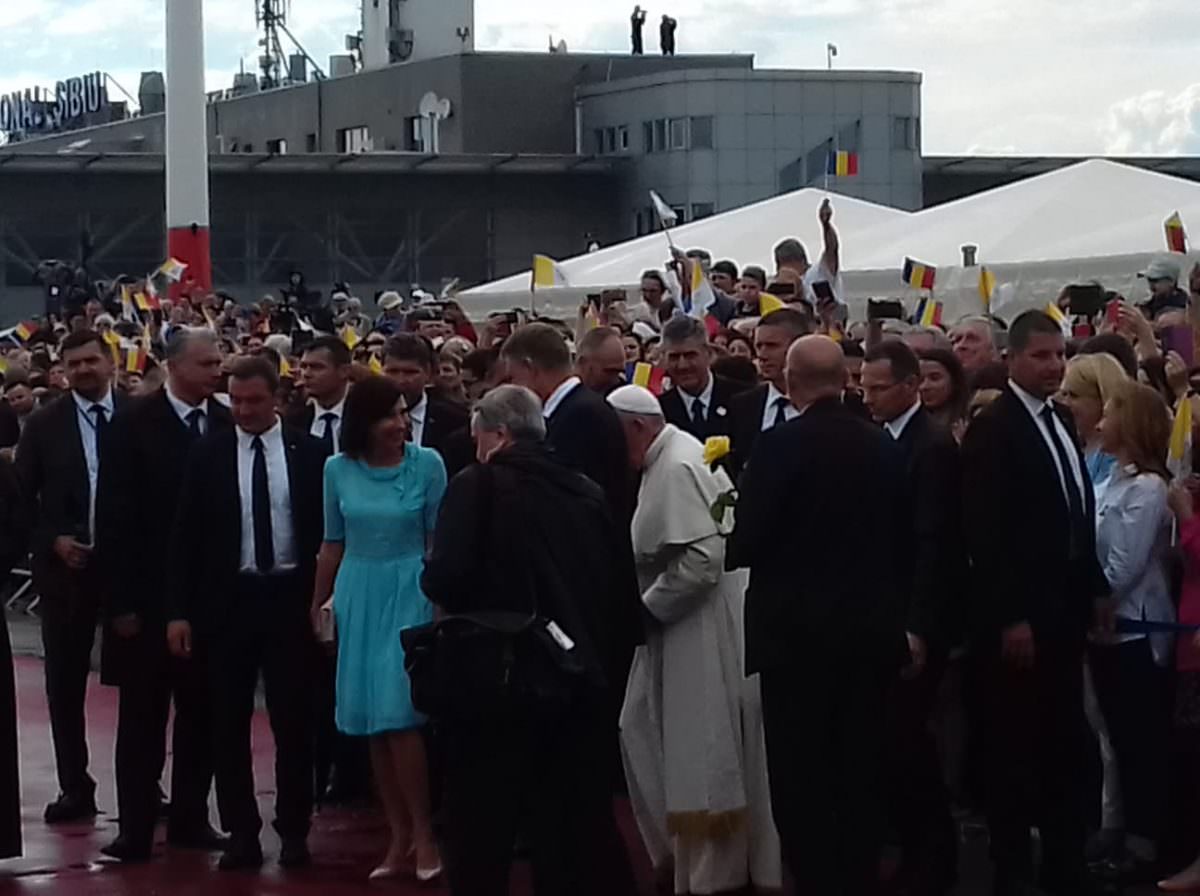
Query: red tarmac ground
x=65 y=860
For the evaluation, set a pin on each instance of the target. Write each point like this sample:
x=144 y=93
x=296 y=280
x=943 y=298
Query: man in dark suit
x=243 y=556
x=341 y=762
x=143 y=470
x=600 y=360
x=766 y=406
x=918 y=803
x=826 y=635
x=409 y=362
x=581 y=428
x=1037 y=586
x=698 y=401
x=325 y=377
x=58 y=463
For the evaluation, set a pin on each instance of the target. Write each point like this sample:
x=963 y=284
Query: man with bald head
x=826 y=633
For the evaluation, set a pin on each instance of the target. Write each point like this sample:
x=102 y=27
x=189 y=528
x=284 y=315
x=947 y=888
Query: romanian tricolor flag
x=375 y=365
x=146 y=300
x=135 y=360
x=918 y=275
x=842 y=164
x=24 y=331
x=929 y=313
x=646 y=375
x=1176 y=235
x=987 y=286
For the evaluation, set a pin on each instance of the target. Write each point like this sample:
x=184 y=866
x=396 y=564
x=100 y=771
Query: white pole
x=187 y=144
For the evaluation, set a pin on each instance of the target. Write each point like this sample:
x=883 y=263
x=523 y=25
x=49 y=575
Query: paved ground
x=63 y=861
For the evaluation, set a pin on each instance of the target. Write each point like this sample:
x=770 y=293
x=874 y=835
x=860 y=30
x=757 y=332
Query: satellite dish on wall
x=432 y=106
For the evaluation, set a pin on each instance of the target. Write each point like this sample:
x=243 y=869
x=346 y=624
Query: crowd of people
x=807 y=591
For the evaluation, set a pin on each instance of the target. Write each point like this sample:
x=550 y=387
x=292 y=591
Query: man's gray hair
x=513 y=408
x=184 y=337
x=683 y=328
x=982 y=321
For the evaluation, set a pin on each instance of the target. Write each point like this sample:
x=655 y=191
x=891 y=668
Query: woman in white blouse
x=1130 y=670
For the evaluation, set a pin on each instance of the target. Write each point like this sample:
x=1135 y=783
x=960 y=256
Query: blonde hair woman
x=1090 y=383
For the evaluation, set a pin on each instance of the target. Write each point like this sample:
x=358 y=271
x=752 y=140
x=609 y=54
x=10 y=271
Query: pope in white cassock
x=691 y=725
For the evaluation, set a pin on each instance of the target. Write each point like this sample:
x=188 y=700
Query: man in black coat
x=698 y=401
x=58 y=464
x=824 y=630
x=410 y=362
x=325 y=378
x=918 y=802
x=766 y=406
x=143 y=471
x=582 y=430
x=243 y=556
x=1037 y=586
x=536 y=773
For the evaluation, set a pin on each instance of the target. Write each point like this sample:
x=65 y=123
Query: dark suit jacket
x=10 y=426
x=1018 y=530
x=745 y=424
x=820 y=493
x=53 y=473
x=206 y=540
x=585 y=433
x=141 y=478
x=447 y=432
x=938 y=553
x=301 y=419
x=677 y=409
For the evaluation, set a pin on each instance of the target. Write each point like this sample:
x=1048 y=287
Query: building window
x=277 y=147
x=905 y=133
x=610 y=140
x=679 y=133
x=647 y=136
x=680 y=213
x=702 y=132
x=414 y=134
x=660 y=135
x=702 y=210
x=310 y=143
x=622 y=139
x=598 y=137
x=354 y=140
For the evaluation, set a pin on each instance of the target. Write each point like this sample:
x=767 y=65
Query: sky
x=1036 y=77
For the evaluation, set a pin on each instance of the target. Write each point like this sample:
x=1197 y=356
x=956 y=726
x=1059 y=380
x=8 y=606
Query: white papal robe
x=691 y=725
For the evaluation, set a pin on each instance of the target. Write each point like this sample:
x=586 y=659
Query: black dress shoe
x=244 y=856
x=294 y=854
x=125 y=849
x=197 y=838
x=67 y=809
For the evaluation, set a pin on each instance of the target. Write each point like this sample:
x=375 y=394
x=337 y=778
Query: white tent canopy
x=1094 y=220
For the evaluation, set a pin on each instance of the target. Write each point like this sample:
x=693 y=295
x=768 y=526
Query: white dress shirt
x=282 y=532
x=557 y=396
x=1133 y=531
x=183 y=410
x=416 y=419
x=818 y=273
x=705 y=398
x=91 y=453
x=317 y=430
x=771 y=410
x=896 y=427
x=1036 y=406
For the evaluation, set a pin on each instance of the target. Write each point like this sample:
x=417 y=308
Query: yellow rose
x=715 y=448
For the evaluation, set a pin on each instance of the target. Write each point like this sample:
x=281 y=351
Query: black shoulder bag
x=476 y=666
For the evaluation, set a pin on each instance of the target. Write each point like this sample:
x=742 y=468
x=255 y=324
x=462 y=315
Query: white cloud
x=1155 y=123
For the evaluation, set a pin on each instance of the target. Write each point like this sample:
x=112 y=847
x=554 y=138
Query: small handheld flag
x=375 y=366
x=666 y=215
x=285 y=369
x=135 y=360
x=987 y=286
x=1179 y=452
x=1059 y=317
x=350 y=337
x=172 y=269
x=114 y=345
x=842 y=164
x=646 y=375
x=918 y=275
x=700 y=296
x=24 y=331
x=547 y=274
x=1176 y=234
x=929 y=313
x=768 y=303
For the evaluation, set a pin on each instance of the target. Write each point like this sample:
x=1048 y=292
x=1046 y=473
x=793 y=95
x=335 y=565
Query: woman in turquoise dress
x=381 y=501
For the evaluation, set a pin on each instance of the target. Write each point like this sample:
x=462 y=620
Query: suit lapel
x=1039 y=451
x=74 y=446
x=291 y=454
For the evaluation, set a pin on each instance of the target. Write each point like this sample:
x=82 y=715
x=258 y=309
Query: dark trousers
x=270 y=634
x=153 y=680
x=1135 y=699
x=67 y=639
x=918 y=804
x=1036 y=741
x=824 y=727
x=546 y=778
x=336 y=756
